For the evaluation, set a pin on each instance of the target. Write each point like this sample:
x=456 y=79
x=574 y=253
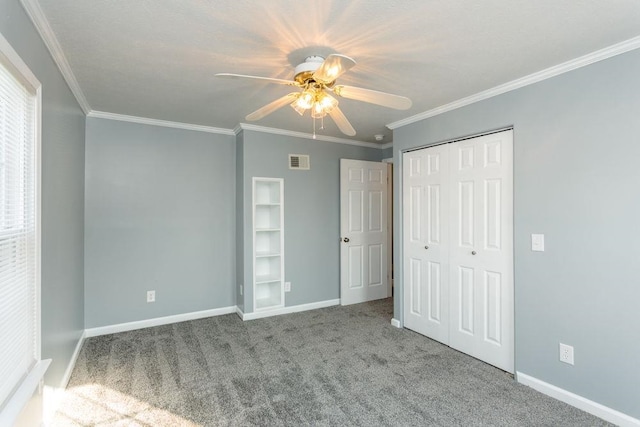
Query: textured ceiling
x=157 y=58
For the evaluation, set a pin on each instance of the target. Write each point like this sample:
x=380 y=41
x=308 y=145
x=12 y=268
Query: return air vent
x=299 y=161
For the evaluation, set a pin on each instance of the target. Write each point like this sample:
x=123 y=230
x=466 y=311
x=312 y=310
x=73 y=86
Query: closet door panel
x=481 y=250
x=426 y=270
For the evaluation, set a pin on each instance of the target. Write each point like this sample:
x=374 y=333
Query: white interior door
x=426 y=242
x=363 y=231
x=458 y=245
x=481 y=249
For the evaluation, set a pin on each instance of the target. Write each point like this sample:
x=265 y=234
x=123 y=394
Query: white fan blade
x=342 y=122
x=332 y=68
x=374 y=97
x=264 y=79
x=273 y=106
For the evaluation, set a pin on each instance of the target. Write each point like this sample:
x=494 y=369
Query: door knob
x=346 y=240
x=473 y=252
x=426 y=247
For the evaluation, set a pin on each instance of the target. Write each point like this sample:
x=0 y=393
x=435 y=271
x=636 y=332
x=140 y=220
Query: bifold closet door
x=458 y=245
x=426 y=241
x=481 y=248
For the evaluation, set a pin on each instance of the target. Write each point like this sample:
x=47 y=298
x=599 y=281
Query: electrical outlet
x=241 y=290
x=566 y=354
x=287 y=286
x=151 y=296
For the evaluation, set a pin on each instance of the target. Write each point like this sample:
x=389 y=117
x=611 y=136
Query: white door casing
x=363 y=231
x=426 y=242
x=474 y=251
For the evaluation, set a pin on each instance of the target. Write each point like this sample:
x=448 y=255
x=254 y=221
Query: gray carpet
x=337 y=366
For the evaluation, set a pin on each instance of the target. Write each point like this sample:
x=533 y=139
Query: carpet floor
x=337 y=366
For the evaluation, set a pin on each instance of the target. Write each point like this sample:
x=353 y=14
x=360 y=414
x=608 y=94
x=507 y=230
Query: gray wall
x=160 y=211
x=576 y=179
x=62 y=194
x=387 y=153
x=311 y=211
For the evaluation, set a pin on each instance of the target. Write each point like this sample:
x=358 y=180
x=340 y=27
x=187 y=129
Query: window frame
x=11 y=61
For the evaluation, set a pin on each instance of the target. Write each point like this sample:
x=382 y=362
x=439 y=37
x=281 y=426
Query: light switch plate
x=537 y=242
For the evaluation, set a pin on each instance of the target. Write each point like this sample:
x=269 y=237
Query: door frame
x=390 y=248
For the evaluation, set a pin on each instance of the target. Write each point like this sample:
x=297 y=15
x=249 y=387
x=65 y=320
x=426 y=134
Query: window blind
x=18 y=256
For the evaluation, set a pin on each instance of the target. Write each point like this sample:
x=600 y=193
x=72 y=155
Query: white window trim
x=10 y=59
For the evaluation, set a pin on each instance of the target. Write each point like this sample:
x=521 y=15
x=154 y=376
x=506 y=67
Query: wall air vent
x=299 y=162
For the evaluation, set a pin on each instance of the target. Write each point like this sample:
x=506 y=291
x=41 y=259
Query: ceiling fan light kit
x=316 y=76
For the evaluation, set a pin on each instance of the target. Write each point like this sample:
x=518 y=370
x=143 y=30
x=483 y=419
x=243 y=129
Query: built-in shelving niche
x=268 y=243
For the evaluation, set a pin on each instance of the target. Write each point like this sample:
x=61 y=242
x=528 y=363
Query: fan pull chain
x=314 y=128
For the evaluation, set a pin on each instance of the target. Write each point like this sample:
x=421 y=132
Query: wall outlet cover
x=151 y=296
x=566 y=353
x=287 y=286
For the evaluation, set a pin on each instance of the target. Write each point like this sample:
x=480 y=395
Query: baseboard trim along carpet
x=395 y=323
x=52 y=395
x=72 y=362
x=287 y=310
x=239 y=312
x=158 y=321
x=579 y=402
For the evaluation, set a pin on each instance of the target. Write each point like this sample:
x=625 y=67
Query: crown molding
x=156 y=122
x=35 y=13
x=256 y=128
x=583 y=61
x=233 y=132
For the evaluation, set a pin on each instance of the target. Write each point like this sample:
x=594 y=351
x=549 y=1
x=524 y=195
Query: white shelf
x=267 y=254
x=267 y=278
x=268 y=243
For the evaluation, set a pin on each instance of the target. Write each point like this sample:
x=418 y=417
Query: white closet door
x=458 y=245
x=481 y=248
x=426 y=225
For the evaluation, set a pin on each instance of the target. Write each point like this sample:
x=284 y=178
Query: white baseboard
x=396 y=323
x=158 y=321
x=53 y=395
x=579 y=402
x=72 y=362
x=288 y=310
x=239 y=312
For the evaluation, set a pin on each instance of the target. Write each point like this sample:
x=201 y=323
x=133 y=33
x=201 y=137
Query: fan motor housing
x=304 y=72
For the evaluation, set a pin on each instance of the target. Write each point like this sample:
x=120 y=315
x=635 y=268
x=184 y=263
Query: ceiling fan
x=316 y=78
